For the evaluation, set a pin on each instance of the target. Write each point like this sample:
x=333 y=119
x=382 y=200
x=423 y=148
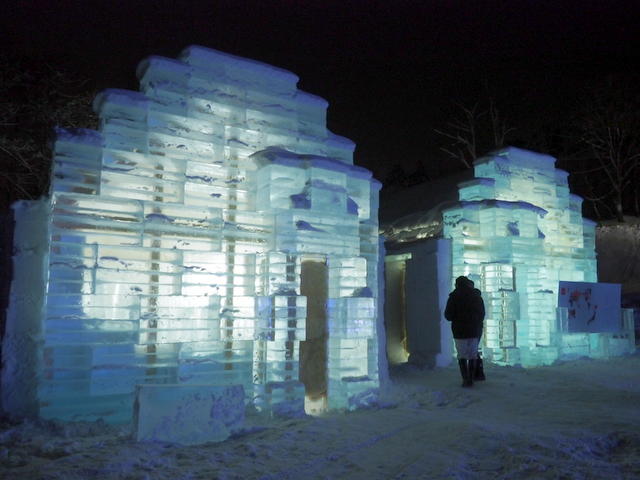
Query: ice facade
x=213 y=231
x=517 y=231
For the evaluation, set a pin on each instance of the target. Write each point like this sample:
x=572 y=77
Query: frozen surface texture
x=517 y=231
x=188 y=415
x=175 y=239
x=21 y=347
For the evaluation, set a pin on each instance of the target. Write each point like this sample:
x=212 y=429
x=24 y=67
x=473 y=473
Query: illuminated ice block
x=517 y=232
x=175 y=237
x=187 y=415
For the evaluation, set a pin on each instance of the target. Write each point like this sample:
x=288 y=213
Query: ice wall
x=516 y=232
x=177 y=234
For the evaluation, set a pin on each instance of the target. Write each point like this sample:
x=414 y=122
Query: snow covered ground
x=572 y=420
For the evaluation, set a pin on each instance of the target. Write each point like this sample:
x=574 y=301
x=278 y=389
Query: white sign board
x=591 y=307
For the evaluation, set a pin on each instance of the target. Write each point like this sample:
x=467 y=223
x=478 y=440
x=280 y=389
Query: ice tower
x=518 y=232
x=213 y=231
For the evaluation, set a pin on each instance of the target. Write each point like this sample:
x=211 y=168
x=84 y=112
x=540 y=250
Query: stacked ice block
x=176 y=235
x=516 y=232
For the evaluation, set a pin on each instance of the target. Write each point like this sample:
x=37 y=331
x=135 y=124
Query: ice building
x=213 y=231
x=517 y=231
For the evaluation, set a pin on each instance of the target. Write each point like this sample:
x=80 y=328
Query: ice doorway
x=395 y=308
x=417 y=285
x=313 y=351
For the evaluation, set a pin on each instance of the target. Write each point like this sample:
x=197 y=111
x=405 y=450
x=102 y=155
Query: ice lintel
x=311 y=99
x=281 y=156
x=338 y=166
x=338 y=141
x=119 y=96
x=203 y=57
x=477 y=181
x=156 y=62
x=79 y=135
x=499 y=204
x=284 y=157
x=517 y=156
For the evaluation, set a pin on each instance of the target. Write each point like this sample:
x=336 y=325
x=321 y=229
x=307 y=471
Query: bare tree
x=606 y=153
x=461 y=135
x=34 y=98
x=499 y=126
x=473 y=131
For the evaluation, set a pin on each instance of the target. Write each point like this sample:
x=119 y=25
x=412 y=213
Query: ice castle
x=517 y=231
x=212 y=232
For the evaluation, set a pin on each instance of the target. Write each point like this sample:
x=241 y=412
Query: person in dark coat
x=465 y=311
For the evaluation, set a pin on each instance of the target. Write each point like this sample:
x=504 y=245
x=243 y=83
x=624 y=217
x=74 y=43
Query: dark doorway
x=313 y=351
x=395 y=308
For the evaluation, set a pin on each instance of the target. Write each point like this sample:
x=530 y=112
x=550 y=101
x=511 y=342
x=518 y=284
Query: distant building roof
x=417 y=210
x=395 y=204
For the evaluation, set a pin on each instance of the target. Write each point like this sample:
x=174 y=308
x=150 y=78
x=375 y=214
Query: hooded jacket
x=465 y=311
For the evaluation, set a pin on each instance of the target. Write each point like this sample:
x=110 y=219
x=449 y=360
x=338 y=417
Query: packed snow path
x=573 y=420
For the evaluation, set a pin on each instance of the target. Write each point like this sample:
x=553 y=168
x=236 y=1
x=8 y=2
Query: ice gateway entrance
x=515 y=229
x=213 y=231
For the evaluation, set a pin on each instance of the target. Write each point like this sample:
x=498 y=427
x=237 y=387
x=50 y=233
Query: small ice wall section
x=176 y=238
x=517 y=231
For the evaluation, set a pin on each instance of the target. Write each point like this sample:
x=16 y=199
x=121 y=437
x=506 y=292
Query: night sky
x=390 y=70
